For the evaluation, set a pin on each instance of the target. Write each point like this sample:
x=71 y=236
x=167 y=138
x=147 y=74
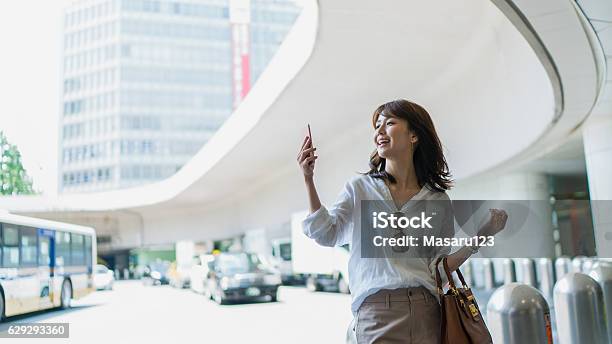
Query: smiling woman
x=394 y=300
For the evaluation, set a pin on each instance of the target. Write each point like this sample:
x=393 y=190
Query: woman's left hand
x=497 y=222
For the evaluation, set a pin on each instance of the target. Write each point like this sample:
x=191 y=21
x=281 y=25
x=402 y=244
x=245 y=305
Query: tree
x=13 y=177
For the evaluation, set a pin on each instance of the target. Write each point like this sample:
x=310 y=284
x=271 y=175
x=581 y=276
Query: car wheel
x=274 y=296
x=219 y=299
x=312 y=285
x=208 y=294
x=66 y=294
x=1 y=307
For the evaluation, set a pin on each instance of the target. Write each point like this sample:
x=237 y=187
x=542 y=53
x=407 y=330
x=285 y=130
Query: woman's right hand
x=306 y=158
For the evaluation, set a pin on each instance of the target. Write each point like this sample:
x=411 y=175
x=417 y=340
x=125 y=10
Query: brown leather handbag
x=462 y=322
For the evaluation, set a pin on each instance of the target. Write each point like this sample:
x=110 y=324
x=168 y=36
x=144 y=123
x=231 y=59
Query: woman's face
x=392 y=137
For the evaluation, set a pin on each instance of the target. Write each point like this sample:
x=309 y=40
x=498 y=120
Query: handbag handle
x=457 y=271
x=439 y=278
x=448 y=275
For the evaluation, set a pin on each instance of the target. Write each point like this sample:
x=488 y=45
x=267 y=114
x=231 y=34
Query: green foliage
x=13 y=177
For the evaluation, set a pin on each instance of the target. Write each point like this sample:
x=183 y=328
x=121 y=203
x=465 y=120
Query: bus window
x=77 y=249
x=62 y=248
x=88 y=251
x=10 y=241
x=43 y=250
x=28 y=246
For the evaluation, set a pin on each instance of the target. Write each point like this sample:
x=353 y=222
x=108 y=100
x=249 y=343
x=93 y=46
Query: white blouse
x=340 y=225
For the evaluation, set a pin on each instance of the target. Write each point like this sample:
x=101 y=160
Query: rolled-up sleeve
x=332 y=227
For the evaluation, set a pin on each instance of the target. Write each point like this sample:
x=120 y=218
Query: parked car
x=240 y=277
x=103 y=277
x=156 y=273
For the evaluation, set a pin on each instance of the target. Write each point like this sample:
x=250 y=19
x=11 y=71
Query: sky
x=31 y=38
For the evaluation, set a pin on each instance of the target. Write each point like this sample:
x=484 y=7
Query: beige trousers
x=405 y=315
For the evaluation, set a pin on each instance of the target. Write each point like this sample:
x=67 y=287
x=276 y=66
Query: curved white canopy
x=502 y=83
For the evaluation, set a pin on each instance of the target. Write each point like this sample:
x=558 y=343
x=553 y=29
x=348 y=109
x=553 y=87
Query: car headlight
x=272 y=279
x=156 y=275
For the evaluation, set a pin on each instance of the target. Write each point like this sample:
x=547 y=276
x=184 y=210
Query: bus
x=43 y=264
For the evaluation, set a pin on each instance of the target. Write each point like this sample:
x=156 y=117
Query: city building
x=147 y=83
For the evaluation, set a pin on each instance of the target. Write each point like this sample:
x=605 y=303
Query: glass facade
x=147 y=83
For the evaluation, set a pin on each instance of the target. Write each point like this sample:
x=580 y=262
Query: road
x=134 y=313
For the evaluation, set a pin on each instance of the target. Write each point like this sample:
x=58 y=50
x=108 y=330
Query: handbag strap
x=448 y=275
x=450 y=279
x=442 y=303
x=439 y=278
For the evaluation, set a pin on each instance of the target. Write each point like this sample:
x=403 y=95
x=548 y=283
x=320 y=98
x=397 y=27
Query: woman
x=393 y=300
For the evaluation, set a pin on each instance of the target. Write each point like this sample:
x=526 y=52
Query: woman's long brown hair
x=428 y=159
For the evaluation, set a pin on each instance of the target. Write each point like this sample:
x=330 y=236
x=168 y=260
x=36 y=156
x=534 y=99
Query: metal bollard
x=529 y=274
x=477 y=273
x=498 y=271
x=547 y=278
x=577 y=263
x=602 y=273
x=488 y=273
x=468 y=271
x=580 y=310
x=587 y=264
x=562 y=267
x=518 y=314
x=509 y=271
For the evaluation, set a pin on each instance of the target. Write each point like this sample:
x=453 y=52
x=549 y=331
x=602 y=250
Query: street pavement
x=134 y=313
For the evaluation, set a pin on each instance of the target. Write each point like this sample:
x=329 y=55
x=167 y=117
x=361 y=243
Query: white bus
x=43 y=264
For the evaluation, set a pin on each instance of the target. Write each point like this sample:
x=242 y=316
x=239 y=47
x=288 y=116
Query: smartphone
x=310 y=136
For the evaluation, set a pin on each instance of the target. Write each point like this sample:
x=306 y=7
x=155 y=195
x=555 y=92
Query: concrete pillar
x=597 y=140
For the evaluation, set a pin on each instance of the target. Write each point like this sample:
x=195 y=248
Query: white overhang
x=504 y=81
